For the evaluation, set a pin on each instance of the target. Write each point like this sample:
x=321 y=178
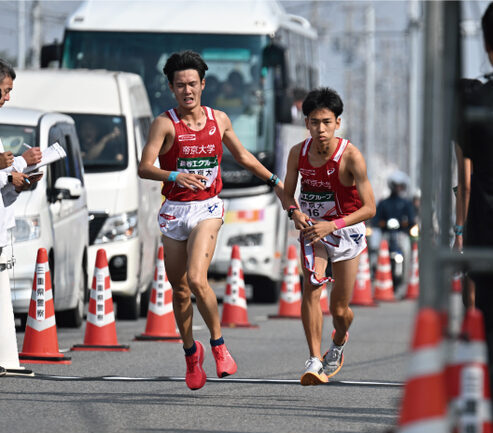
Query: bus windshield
x=236 y=82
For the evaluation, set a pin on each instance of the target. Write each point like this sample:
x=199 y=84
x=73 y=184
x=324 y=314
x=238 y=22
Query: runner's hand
x=6 y=159
x=191 y=181
x=318 y=230
x=300 y=220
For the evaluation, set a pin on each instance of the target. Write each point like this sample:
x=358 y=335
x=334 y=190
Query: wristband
x=9 y=178
x=340 y=223
x=273 y=181
x=458 y=230
x=291 y=211
x=172 y=176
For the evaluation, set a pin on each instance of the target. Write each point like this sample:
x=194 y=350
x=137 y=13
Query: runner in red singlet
x=188 y=141
x=335 y=199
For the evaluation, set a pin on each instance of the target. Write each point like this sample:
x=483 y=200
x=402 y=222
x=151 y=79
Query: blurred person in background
x=297 y=116
x=477 y=145
x=462 y=195
x=395 y=216
x=396 y=205
x=95 y=144
x=12 y=182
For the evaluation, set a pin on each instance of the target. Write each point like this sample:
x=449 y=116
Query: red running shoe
x=195 y=377
x=225 y=364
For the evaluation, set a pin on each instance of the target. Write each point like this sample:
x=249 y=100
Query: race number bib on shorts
x=206 y=166
x=317 y=204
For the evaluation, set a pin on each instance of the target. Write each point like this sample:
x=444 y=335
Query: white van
x=52 y=214
x=112 y=115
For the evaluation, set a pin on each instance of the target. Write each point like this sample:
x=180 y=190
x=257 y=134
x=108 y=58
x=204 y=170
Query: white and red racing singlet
x=197 y=152
x=323 y=196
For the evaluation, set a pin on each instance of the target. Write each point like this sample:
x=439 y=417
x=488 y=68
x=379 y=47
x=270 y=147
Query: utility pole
x=370 y=88
x=21 y=34
x=414 y=79
x=36 y=36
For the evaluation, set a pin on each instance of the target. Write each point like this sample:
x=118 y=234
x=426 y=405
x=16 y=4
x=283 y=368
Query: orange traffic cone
x=424 y=406
x=384 y=287
x=160 y=325
x=100 y=327
x=324 y=301
x=468 y=382
x=41 y=340
x=290 y=297
x=234 y=302
x=362 y=285
x=413 y=283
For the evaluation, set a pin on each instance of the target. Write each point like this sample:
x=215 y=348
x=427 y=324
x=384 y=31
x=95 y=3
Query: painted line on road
x=376 y=384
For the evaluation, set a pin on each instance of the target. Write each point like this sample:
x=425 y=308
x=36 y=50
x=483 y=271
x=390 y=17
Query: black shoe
x=3 y=372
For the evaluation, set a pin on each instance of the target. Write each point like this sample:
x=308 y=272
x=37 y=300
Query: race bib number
x=317 y=204
x=206 y=166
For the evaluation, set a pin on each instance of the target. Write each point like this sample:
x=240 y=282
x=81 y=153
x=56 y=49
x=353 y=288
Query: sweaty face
x=187 y=88
x=6 y=86
x=322 y=124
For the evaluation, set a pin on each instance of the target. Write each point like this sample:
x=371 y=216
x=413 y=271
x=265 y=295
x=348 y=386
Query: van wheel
x=73 y=318
x=144 y=302
x=128 y=307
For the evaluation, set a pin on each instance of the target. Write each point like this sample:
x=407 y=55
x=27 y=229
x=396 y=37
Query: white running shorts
x=177 y=219
x=342 y=244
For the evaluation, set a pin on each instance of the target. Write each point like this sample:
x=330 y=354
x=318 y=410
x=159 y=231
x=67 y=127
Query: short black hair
x=184 y=60
x=487 y=25
x=323 y=97
x=6 y=70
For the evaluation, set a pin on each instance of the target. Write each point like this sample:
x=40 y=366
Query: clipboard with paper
x=52 y=154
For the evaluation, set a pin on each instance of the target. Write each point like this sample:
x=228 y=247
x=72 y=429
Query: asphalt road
x=149 y=393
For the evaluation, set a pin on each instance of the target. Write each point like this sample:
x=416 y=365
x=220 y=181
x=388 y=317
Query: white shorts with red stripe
x=342 y=244
x=177 y=219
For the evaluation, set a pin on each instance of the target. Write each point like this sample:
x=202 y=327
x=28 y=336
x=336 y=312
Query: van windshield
x=103 y=141
x=15 y=136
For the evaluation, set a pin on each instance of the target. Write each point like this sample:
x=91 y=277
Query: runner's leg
x=344 y=274
x=200 y=249
x=311 y=311
x=175 y=259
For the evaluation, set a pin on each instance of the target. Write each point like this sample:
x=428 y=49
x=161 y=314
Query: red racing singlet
x=323 y=196
x=197 y=152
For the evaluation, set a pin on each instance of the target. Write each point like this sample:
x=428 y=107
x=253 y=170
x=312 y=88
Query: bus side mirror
x=283 y=108
x=274 y=57
x=51 y=55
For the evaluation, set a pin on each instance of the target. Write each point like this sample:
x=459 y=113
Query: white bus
x=256 y=53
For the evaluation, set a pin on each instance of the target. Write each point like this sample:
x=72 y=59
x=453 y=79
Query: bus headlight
x=119 y=227
x=26 y=228
x=246 y=240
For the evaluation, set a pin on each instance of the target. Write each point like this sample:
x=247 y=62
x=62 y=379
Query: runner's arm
x=356 y=165
x=290 y=182
x=241 y=155
x=161 y=130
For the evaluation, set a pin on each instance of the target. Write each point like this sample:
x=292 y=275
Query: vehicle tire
x=144 y=301
x=128 y=307
x=265 y=290
x=23 y=319
x=74 y=317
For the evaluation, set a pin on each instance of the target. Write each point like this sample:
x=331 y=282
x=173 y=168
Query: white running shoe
x=334 y=357
x=314 y=372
